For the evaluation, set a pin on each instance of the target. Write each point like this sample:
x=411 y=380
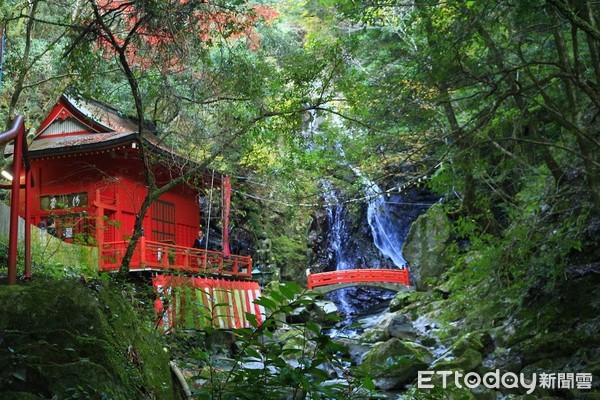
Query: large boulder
x=425 y=247
x=395 y=363
x=468 y=361
x=396 y=325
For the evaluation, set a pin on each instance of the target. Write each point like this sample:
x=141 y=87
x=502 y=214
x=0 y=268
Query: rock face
x=425 y=247
x=71 y=339
x=559 y=334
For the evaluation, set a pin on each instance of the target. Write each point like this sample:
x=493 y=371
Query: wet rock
x=400 y=327
x=355 y=349
x=320 y=312
x=505 y=359
x=396 y=325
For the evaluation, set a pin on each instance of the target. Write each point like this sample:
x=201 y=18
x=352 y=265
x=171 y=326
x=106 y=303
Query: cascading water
x=387 y=234
x=338 y=238
x=387 y=231
x=345 y=250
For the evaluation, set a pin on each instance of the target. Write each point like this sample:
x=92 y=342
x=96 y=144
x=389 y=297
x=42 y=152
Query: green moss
x=395 y=362
x=404 y=299
x=468 y=361
x=54 y=257
x=426 y=245
x=71 y=339
x=476 y=340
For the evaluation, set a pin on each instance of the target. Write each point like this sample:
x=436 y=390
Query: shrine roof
x=79 y=143
x=76 y=125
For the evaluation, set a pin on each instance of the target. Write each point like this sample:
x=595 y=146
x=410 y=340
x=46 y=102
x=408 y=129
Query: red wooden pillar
x=15 y=133
x=100 y=222
x=142 y=247
x=28 y=186
x=226 y=199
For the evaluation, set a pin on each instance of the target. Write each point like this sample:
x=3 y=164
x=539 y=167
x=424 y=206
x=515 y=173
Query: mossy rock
x=404 y=299
x=546 y=365
x=450 y=392
x=483 y=393
x=468 y=361
x=296 y=339
x=548 y=345
x=375 y=334
x=425 y=247
x=395 y=324
x=477 y=340
x=395 y=363
x=69 y=338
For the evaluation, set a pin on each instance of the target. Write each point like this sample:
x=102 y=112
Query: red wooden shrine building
x=88 y=177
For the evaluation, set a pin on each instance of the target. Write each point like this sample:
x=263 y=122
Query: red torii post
x=17 y=133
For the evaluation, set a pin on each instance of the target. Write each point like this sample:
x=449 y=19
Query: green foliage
x=272 y=365
x=290 y=253
x=70 y=338
x=456 y=88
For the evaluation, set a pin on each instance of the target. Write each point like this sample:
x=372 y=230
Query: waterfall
x=387 y=234
x=347 y=251
x=338 y=239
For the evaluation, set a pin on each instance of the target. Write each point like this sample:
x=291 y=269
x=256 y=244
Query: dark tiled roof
x=104 y=114
x=113 y=128
x=79 y=142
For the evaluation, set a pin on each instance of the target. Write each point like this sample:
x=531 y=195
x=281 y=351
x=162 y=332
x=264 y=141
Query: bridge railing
x=401 y=276
x=158 y=256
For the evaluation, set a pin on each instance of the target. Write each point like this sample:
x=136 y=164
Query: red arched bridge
x=391 y=279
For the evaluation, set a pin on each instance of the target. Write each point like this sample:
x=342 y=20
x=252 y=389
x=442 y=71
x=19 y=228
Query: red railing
x=150 y=255
x=359 y=275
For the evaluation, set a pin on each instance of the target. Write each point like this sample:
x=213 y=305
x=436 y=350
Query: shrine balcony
x=158 y=256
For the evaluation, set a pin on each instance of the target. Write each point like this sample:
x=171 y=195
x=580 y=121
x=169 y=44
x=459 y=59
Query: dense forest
x=492 y=106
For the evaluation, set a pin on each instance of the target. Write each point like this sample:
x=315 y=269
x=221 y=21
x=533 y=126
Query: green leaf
x=251 y=318
x=20 y=375
x=278 y=297
x=290 y=290
x=251 y=352
x=313 y=327
x=266 y=302
x=368 y=383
